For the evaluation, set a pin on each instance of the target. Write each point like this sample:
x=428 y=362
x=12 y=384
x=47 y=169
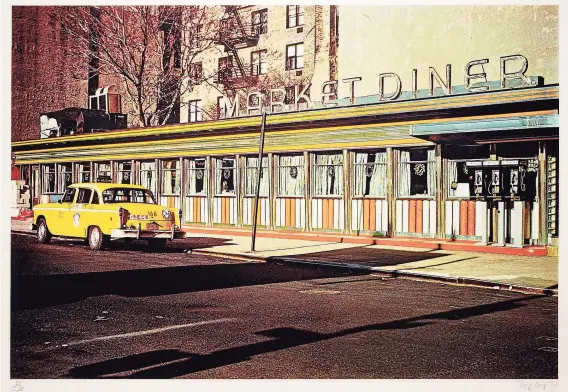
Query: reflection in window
x=251 y=170
x=197 y=175
x=416 y=173
x=148 y=175
x=69 y=195
x=84 y=195
x=291 y=175
x=125 y=172
x=84 y=172
x=370 y=174
x=48 y=178
x=328 y=175
x=225 y=176
x=65 y=176
x=171 y=178
x=103 y=172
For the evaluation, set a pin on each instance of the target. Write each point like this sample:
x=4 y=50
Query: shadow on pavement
x=158 y=364
x=372 y=257
x=35 y=291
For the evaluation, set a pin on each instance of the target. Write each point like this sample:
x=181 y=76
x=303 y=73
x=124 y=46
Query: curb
x=378 y=271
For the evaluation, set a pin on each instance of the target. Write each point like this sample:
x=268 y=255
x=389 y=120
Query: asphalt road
x=127 y=313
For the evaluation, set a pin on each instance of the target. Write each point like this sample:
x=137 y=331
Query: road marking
x=315 y=291
x=151 y=331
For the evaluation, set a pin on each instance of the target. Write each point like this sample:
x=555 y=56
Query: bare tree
x=151 y=48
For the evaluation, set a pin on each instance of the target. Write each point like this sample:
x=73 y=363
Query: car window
x=68 y=195
x=95 y=198
x=128 y=195
x=84 y=195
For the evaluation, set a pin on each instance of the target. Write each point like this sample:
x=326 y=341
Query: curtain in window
x=328 y=175
x=452 y=176
x=360 y=180
x=197 y=177
x=431 y=172
x=49 y=179
x=378 y=185
x=403 y=183
x=167 y=186
x=291 y=176
x=225 y=176
x=148 y=175
x=251 y=173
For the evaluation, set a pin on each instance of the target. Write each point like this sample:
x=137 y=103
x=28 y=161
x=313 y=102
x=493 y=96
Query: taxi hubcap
x=41 y=230
x=94 y=236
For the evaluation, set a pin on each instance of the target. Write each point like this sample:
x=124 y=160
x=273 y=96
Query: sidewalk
x=531 y=274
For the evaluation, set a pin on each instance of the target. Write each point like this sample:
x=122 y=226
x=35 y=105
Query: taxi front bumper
x=117 y=234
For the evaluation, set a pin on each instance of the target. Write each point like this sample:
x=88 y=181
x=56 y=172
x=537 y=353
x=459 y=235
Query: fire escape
x=235 y=35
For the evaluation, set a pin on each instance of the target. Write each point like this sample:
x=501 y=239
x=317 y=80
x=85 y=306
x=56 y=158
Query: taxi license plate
x=152 y=226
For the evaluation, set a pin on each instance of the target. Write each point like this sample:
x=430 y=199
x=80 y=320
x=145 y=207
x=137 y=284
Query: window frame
x=45 y=166
x=260 y=27
x=225 y=73
x=197 y=114
x=295 y=57
x=428 y=163
x=264 y=173
x=153 y=177
x=176 y=171
x=120 y=171
x=219 y=192
x=98 y=171
x=314 y=172
x=354 y=173
x=257 y=67
x=297 y=16
x=189 y=169
x=301 y=172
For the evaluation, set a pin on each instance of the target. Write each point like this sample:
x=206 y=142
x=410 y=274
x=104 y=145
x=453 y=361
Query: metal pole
x=258 y=174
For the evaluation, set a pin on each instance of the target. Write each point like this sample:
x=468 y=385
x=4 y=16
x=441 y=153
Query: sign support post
x=258 y=176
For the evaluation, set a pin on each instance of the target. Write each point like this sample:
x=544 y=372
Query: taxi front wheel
x=43 y=233
x=97 y=239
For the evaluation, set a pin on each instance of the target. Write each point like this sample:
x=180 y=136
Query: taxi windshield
x=128 y=195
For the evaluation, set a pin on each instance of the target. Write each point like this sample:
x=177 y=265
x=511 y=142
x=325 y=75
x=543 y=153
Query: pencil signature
x=538 y=385
x=17 y=387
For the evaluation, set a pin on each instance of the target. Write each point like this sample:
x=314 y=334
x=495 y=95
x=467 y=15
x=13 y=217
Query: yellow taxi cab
x=103 y=212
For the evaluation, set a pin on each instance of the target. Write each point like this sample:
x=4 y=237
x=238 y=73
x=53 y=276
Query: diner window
x=196 y=72
x=295 y=56
x=103 y=172
x=225 y=176
x=171 y=177
x=195 y=112
x=148 y=175
x=84 y=196
x=258 y=63
x=125 y=172
x=69 y=195
x=83 y=172
x=459 y=177
x=291 y=175
x=65 y=176
x=370 y=174
x=328 y=175
x=251 y=172
x=294 y=15
x=48 y=184
x=259 y=22
x=197 y=176
x=416 y=172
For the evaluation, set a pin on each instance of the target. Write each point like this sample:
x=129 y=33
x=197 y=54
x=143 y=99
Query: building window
x=258 y=63
x=225 y=176
x=125 y=172
x=225 y=69
x=195 y=112
x=49 y=182
x=294 y=15
x=291 y=175
x=328 y=175
x=65 y=176
x=103 y=172
x=259 y=22
x=196 y=72
x=251 y=170
x=197 y=175
x=83 y=172
x=416 y=172
x=295 y=56
x=370 y=174
x=148 y=175
x=171 y=177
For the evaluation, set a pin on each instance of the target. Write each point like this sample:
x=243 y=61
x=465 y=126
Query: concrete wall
x=400 y=38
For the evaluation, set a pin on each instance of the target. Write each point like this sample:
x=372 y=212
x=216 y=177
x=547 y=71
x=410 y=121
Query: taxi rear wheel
x=97 y=240
x=157 y=244
x=43 y=233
